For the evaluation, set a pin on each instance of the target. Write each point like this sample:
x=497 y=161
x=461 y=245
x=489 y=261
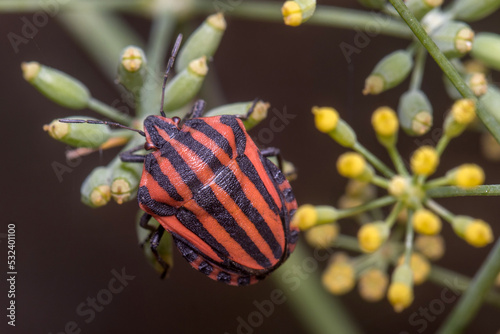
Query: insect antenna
x=92 y=121
x=169 y=66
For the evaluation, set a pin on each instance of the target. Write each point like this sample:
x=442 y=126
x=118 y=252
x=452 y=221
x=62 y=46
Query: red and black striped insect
x=227 y=207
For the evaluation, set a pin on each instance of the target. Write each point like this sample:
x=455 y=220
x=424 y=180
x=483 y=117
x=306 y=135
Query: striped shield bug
x=227 y=207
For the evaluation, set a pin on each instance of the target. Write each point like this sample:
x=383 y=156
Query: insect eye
x=148 y=146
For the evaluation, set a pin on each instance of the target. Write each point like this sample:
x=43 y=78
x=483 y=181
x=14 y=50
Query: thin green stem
x=380 y=181
x=488 y=120
x=346 y=242
x=442 y=144
x=419 y=68
x=473 y=297
x=159 y=39
x=379 y=165
x=391 y=219
x=452 y=191
x=397 y=160
x=324 y=16
x=437 y=208
x=103 y=35
x=409 y=238
x=438 y=182
x=320 y=312
x=458 y=284
x=109 y=112
x=378 y=203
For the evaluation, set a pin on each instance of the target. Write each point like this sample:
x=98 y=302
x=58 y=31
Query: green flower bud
x=422 y=7
x=389 y=72
x=165 y=248
x=78 y=134
x=204 y=41
x=184 y=87
x=95 y=189
x=132 y=69
x=487 y=49
x=453 y=38
x=241 y=108
x=125 y=178
x=461 y=115
x=491 y=101
x=477 y=82
x=343 y=134
x=415 y=113
x=473 y=10
x=298 y=11
x=56 y=85
x=375 y=4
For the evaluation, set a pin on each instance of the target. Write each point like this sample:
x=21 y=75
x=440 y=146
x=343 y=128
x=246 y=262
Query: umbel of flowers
x=409 y=192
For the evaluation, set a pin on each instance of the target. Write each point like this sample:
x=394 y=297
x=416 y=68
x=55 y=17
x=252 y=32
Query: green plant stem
x=397 y=160
x=103 y=35
x=409 y=238
x=378 y=203
x=324 y=16
x=458 y=283
x=160 y=37
x=442 y=144
x=437 y=208
x=380 y=181
x=391 y=219
x=473 y=297
x=320 y=312
x=488 y=120
x=438 y=182
x=373 y=160
x=419 y=68
x=347 y=242
x=109 y=112
x=452 y=191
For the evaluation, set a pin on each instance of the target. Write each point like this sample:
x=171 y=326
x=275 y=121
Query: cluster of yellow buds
x=411 y=195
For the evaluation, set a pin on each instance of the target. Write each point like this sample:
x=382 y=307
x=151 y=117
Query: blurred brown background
x=66 y=251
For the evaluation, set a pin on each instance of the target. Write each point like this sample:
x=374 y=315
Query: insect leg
x=273 y=152
x=196 y=111
x=154 y=243
x=171 y=60
x=129 y=156
x=250 y=111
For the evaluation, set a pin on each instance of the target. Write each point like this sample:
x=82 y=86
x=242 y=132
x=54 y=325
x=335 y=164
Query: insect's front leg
x=129 y=156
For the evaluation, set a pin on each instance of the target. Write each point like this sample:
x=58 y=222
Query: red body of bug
x=227 y=206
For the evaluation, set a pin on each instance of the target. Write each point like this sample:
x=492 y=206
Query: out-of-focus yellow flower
x=372 y=235
x=322 y=236
x=305 y=217
x=478 y=233
x=385 y=121
x=464 y=111
x=419 y=266
x=373 y=285
x=339 y=276
x=351 y=165
x=325 y=118
x=426 y=222
x=431 y=246
x=424 y=161
x=468 y=176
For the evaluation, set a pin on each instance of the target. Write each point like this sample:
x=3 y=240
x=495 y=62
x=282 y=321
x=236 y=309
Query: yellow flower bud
x=398 y=186
x=305 y=217
x=400 y=293
x=325 y=118
x=424 y=161
x=426 y=222
x=464 y=111
x=420 y=267
x=432 y=246
x=339 y=276
x=490 y=147
x=298 y=11
x=400 y=296
x=468 y=176
x=292 y=14
x=351 y=165
x=372 y=235
x=385 y=121
x=322 y=236
x=373 y=285
x=478 y=233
